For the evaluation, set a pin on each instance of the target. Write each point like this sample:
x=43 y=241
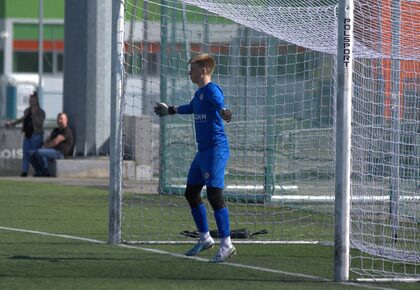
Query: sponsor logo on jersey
x=200 y=117
x=201 y=97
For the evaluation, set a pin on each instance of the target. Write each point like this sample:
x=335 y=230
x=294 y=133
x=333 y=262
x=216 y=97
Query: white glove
x=161 y=109
x=226 y=115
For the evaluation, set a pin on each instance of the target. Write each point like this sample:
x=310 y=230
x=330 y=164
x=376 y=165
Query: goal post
x=344 y=90
x=324 y=142
x=116 y=139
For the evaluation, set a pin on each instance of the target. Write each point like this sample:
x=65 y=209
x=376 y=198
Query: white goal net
x=276 y=64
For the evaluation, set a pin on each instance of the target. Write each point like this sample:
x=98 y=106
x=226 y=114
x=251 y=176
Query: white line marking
x=324 y=198
x=53 y=235
x=162 y=252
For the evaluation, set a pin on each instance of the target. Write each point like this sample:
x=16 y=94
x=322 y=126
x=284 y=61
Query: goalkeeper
x=208 y=166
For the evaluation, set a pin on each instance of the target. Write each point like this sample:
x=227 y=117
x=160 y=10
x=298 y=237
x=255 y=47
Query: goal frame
x=343 y=134
x=344 y=90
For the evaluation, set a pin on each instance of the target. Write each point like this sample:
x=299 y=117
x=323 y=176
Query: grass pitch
x=63 y=246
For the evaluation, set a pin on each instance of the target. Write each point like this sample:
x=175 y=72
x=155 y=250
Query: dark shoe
x=45 y=174
x=24 y=174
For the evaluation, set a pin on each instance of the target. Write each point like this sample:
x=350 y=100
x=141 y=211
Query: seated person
x=57 y=146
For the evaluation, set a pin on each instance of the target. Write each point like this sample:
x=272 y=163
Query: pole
x=145 y=99
x=163 y=170
x=270 y=119
x=395 y=116
x=40 y=50
x=117 y=109
x=343 y=140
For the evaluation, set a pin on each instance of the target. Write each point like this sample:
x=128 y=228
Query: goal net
x=276 y=64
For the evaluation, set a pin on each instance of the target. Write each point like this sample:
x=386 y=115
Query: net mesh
x=276 y=66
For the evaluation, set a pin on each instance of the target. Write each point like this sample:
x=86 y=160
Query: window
x=25 y=48
x=27 y=62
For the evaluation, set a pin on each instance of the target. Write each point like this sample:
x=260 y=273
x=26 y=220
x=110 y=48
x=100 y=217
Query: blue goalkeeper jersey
x=206 y=105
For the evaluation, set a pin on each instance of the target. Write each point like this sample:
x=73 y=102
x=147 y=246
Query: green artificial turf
x=34 y=260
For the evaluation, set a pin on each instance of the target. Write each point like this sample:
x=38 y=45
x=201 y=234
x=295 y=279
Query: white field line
x=307 y=198
x=162 y=252
x=325 y=198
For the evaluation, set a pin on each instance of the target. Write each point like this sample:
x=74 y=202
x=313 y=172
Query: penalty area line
x=162 y=252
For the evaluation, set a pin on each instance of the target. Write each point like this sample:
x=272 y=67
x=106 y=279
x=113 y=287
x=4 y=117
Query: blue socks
x=222 y=220
x=200 y=218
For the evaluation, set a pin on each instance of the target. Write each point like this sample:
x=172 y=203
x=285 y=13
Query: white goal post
x=344 y=91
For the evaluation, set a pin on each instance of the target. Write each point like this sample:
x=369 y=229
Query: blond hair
x=204 y=60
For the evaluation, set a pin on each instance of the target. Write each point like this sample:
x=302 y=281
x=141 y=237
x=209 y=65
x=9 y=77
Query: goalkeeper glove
x=226 y=114
x=162 y=109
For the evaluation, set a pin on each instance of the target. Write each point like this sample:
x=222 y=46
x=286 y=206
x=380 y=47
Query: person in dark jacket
x=33 y=128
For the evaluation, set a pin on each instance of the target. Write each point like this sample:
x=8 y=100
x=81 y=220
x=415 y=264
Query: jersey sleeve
x=185 y=109
x=217 y=98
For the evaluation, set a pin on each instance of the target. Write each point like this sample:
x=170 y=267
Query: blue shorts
x=208 y=167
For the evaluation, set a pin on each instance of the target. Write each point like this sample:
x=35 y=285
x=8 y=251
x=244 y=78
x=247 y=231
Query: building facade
x=19 y=55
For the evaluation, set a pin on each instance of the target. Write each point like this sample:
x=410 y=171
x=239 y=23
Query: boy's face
x=196 y=73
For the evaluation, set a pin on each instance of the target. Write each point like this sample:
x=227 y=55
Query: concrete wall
x=11 y=151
